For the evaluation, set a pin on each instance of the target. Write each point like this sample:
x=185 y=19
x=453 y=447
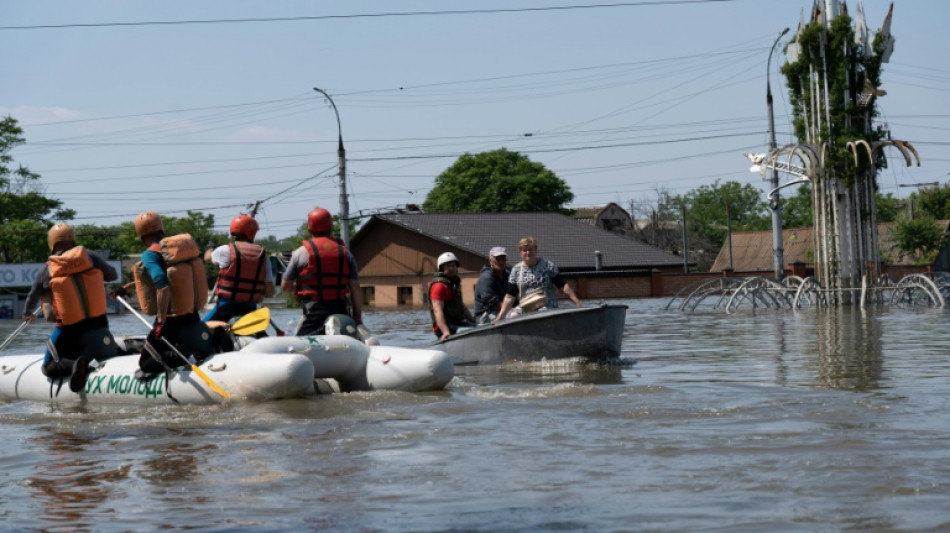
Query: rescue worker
x=245 y=277
x=170 y=283
x=73 y=285
x=445 y=299
x=324 y=276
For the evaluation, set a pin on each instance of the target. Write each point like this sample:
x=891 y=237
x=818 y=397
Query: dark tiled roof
x=563 y=240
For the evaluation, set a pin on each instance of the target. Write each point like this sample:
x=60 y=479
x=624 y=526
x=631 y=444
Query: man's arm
x=108 y=273
x=289 y=282
x=356 y=299
x=505 y=307
x=438 y=309
x=40 y=286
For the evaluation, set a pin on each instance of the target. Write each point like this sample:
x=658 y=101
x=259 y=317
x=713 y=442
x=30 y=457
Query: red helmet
x=244 y=225
x=319 y=221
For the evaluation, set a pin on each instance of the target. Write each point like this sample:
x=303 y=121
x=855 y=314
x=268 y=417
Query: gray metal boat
x=592 y=333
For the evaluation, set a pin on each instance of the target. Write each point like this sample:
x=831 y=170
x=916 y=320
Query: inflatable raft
x=344 y=364
x=264 y=369
x=245 y=376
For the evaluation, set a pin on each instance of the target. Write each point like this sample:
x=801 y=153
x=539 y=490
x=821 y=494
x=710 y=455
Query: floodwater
x=775 y=420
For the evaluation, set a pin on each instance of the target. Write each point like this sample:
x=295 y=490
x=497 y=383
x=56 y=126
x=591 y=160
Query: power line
x=359 y=15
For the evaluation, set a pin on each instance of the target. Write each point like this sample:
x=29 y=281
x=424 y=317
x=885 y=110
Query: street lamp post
x=341 y=154
x=774 y=199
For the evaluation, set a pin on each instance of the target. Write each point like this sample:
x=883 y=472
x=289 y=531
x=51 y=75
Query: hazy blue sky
x=618 y=101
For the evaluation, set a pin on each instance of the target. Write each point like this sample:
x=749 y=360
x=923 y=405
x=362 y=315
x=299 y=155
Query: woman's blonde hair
x=527 y=242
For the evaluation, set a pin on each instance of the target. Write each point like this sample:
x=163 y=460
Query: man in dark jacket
x=492 y=285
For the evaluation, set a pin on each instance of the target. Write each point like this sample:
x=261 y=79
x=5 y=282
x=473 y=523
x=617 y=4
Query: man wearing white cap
x=492 y=285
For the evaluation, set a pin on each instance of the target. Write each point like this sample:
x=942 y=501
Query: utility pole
x=729 y=234
x=685 y=240
x=341 y=155
x=774 y=200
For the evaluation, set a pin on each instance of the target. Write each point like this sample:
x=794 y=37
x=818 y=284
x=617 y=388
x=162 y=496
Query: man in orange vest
x=72 y=282
x=170 y=283
x=244 y=272
x=322 y=273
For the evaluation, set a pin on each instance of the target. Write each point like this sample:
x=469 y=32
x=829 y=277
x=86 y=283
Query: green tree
x=919 y=238
x=706 y=209
x=888 y=206
x=25 y=213
x=499 y=181
x=797 y=213
x=933 y=202
x=796 y=209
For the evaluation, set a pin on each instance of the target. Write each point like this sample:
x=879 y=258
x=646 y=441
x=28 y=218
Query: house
x=396 y=253
x=753 y=251
x=610 y=217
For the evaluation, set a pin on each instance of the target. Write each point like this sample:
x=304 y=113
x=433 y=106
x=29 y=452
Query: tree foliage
x=918 y=238
x=831 y=55
x=499 y=181
x=933 y=202
x=707 y=206
x=25 y=213
x=797 y=211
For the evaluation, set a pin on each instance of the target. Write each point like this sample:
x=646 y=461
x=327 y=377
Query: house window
x=369 y=295
x=403 y=295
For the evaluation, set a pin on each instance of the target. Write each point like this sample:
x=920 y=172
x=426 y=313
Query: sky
x=620 y=100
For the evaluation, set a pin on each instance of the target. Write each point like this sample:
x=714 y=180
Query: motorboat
x=591 y=333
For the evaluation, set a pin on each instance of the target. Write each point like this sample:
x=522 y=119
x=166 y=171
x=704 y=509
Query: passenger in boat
x=170 y=283
x=534 y=280
x=73 y=284
x=324 y=276
x=445 y=299
x=492 y=285
x=244 y=272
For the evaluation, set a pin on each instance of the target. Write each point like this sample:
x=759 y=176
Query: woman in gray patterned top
x=533 y=274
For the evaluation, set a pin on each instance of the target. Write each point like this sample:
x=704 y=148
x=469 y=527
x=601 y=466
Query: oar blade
x=253 y=322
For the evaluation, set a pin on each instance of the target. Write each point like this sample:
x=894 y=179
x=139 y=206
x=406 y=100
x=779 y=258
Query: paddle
x=20 y=329
x=252 y=323
x=194 y=368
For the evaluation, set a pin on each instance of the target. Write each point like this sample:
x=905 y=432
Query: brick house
x=396 y=254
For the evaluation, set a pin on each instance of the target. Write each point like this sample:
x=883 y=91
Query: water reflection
x=175 y=462
x=73 y=482
x=544 y=372
x=850 y=355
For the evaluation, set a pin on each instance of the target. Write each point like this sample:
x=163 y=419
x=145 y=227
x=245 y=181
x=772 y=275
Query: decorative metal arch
x=758 y=291
x=697 y=292
x=905 y=148
x=807 y=157
x=916 y=290
x=810 y=292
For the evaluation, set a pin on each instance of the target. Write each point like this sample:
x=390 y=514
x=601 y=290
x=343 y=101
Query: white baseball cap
x=496 y=251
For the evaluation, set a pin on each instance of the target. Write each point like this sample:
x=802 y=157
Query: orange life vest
x=243 y=279
x=78 y=287
x=186 y=277
x=327 y=274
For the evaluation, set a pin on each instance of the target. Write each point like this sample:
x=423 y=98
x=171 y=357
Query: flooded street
x=810 y=421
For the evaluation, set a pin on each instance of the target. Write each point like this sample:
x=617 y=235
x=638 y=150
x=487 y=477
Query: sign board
x=23 y=274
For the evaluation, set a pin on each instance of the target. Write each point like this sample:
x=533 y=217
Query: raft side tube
x=243 y=376
x=408 y=369
x=356 y=366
